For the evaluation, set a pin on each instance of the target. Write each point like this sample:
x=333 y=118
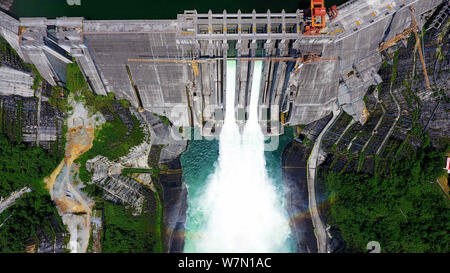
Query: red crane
x=332 y=12
x=318 y=12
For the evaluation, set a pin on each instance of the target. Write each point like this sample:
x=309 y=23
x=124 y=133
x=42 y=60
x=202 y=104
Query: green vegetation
x=7 y=51
x=36 y=75
x=394 y=67
x=123 y=232
x=12 y=127
x=128 y=171
x=19 y=121
x=59 y=145
x=398 y=207
x=74 y=78
x=4 y=46
x=94 y=191
x=1 y=119
x=307 y=142
x=153 y=162
x=361 y=160
x=22 y=166
x=59 y=99
x=77 y=85
x=127 y=233
x=112 y=142
x=164 y=119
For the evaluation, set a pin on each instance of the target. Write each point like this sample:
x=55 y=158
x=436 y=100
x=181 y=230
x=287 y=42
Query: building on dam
x=313 y=61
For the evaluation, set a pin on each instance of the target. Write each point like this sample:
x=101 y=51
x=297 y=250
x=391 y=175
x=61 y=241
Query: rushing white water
x=243 y=211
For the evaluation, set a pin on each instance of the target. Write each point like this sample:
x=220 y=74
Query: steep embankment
x=294 y=162
x=295 y=177
x=174 y=202
x=170 y=187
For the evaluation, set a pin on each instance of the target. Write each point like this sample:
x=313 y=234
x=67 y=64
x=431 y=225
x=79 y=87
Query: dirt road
x=73 y=205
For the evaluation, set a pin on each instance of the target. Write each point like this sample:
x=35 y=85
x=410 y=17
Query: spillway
x=242 y=210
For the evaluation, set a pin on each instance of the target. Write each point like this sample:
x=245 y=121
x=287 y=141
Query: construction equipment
x=419 y=47
x=405 y=34
x=364 y=116
x=318 y=13
x=192 y=62
x=306 y=58
x=297 y=67
x=332 y=12
x=398 y=37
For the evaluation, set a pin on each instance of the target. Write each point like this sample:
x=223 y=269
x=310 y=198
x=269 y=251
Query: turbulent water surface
x=235 y=194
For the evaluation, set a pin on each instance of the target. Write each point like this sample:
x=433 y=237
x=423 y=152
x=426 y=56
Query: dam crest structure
x=177 y=68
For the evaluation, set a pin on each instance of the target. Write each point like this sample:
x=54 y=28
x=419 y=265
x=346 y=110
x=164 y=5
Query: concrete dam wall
x=176 y=68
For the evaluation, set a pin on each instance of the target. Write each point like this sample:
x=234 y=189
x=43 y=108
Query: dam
x=240 y=209
x=312 y=62
x=240 y=76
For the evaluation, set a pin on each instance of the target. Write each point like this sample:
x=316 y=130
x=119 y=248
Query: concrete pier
x=176 y=67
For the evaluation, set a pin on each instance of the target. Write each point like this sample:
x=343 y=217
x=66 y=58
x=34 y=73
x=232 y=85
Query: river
x=143 y=9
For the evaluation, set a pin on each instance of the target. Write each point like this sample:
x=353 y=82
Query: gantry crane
x=318 y=12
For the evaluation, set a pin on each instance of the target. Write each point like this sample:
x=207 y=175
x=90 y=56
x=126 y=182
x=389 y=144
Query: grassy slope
x=123 y=232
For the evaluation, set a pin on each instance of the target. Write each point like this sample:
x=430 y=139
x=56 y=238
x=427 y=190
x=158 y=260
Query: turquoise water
x=199 y=162
x=147 y=9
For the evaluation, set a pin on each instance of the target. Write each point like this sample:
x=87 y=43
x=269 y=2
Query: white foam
x=243 y=211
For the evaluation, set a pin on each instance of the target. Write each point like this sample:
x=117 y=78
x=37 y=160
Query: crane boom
x=419 y=47
x=397 y=38
x=404 y=35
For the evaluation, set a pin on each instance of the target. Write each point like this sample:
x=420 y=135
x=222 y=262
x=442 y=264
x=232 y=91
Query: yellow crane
x=192 y=62
x=307 y=58
x=397 y=38
x=404 y=35
x=419 y=47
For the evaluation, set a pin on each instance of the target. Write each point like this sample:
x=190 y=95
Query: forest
x=22 y=166
x=403 y=209
x=125 y=233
